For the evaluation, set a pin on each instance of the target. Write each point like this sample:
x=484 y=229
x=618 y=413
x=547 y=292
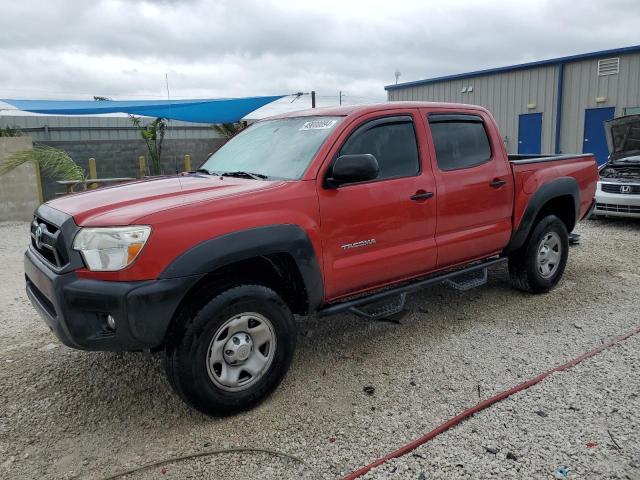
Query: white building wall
x=507 y=94
x=582 y=86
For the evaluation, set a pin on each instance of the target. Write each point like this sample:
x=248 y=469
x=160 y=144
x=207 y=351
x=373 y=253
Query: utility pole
x=340 y=97
x=313 y=99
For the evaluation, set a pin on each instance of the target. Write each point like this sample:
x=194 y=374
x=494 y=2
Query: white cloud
x=122 y=49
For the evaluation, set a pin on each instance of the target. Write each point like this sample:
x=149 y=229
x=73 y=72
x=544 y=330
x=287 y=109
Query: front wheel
x=233 y=352
x=538 y=266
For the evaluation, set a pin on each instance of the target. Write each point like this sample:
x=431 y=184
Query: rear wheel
x=538 y=266
x=233 y=352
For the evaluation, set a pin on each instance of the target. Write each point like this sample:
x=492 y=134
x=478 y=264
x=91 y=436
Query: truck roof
x=359 y=109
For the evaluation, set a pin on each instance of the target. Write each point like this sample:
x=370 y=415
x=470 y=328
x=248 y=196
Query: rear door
x=378 y=232
x=475 y=186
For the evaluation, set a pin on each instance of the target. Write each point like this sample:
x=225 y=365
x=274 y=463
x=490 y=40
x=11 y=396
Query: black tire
x=186 y=353
x=524 y=269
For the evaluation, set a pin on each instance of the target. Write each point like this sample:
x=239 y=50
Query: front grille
x=621 y=188
x=46 y=239
x=612 y=207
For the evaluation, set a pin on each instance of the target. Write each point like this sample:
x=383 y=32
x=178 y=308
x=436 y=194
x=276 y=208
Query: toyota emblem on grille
x=38 y=237
x=625 y=189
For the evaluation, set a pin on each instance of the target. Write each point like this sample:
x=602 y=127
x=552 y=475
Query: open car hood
x=623 y=137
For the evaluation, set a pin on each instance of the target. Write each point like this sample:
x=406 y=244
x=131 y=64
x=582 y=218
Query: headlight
x=110 y=249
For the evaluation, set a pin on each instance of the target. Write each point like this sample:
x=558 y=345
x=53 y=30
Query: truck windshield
x=281 y=148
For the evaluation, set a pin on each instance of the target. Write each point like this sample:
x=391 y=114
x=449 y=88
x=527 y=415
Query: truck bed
x=531 y=172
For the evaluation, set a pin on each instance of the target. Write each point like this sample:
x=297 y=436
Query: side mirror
x=352 y=169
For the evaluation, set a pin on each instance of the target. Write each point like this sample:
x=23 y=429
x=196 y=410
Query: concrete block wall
x=19 y=188
x=119 y=158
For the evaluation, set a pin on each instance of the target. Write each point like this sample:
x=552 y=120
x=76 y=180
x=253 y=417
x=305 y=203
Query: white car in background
x=618 y=192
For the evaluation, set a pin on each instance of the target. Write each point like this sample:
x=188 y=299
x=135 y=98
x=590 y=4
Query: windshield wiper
x=203 y=170
x=241 y=174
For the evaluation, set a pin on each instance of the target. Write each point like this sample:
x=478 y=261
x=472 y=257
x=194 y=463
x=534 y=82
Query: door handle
x=421 y=195
x=497 y=182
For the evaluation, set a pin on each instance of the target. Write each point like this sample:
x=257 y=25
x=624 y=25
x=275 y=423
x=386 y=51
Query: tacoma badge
x=361 y=243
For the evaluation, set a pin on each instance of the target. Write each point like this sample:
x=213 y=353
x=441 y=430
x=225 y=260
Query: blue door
x=595 y=140
x=530 y=133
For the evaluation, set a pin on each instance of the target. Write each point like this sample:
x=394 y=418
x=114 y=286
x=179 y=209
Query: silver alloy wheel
x=241 y=351
x=549 y=254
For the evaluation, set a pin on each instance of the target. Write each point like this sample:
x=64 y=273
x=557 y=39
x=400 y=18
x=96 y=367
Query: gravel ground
x=584 y=420
x=72 y=414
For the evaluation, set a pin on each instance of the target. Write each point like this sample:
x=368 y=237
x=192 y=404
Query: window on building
x=392 y=141
x=460 y=141
x=608 y=66
x=632 y=111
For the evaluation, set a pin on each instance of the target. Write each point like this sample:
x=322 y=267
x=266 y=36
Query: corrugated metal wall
x=507 y=95
x=582 y=86
x=67 y=128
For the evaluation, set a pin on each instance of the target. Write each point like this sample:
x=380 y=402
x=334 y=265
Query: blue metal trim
x=521 y=66
x=559 y=105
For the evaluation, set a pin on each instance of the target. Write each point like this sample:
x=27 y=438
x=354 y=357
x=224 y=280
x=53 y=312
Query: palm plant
x=10 y=132
x=153 y=135
x=51 y=161
x=228 y=130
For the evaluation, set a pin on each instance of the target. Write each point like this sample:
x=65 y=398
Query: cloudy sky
x=74 y=49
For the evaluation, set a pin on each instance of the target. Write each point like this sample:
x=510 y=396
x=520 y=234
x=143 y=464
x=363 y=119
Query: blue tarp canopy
x=221 y=110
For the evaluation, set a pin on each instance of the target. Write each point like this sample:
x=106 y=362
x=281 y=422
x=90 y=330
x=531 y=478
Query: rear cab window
x=460 y=140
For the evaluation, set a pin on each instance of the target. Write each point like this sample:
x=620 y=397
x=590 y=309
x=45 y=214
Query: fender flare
x=212 y=254
x=558 y=187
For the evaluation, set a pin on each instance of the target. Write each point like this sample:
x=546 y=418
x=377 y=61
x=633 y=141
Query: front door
x=374 y=232
x=595 y=138
x=530 y=134
x=475 y=187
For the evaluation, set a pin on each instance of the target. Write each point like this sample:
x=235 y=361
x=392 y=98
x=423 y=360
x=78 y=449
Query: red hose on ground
x=486 y=403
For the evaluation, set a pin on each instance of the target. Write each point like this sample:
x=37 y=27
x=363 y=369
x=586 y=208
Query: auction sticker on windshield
x=318 y=124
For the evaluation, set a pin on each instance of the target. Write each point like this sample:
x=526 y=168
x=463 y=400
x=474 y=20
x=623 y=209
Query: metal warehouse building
x=550 y=106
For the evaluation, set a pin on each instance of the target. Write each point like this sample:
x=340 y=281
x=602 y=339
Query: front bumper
x=76 y=309
x=617 y=204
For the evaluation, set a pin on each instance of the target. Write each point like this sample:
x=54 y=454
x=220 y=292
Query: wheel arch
x=279 y=256
x=560 y=197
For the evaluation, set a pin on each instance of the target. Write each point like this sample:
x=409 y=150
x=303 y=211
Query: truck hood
x=623 y=137
x=124 y=204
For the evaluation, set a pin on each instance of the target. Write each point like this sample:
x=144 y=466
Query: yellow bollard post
x=93 y=172
x=187 y=163
x=142 y=168
x=39 y=182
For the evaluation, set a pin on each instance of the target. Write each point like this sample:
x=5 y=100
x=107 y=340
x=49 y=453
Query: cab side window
x=460 y=141
x=392 y=141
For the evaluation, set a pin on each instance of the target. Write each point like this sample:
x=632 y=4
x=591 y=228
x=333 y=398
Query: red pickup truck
x=326 y=210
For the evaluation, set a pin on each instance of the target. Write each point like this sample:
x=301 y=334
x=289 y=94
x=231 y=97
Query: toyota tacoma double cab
x=321 y=211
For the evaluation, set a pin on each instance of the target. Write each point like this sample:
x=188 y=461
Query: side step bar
x=340 y=307
x=467 y=281
x=385 y=310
